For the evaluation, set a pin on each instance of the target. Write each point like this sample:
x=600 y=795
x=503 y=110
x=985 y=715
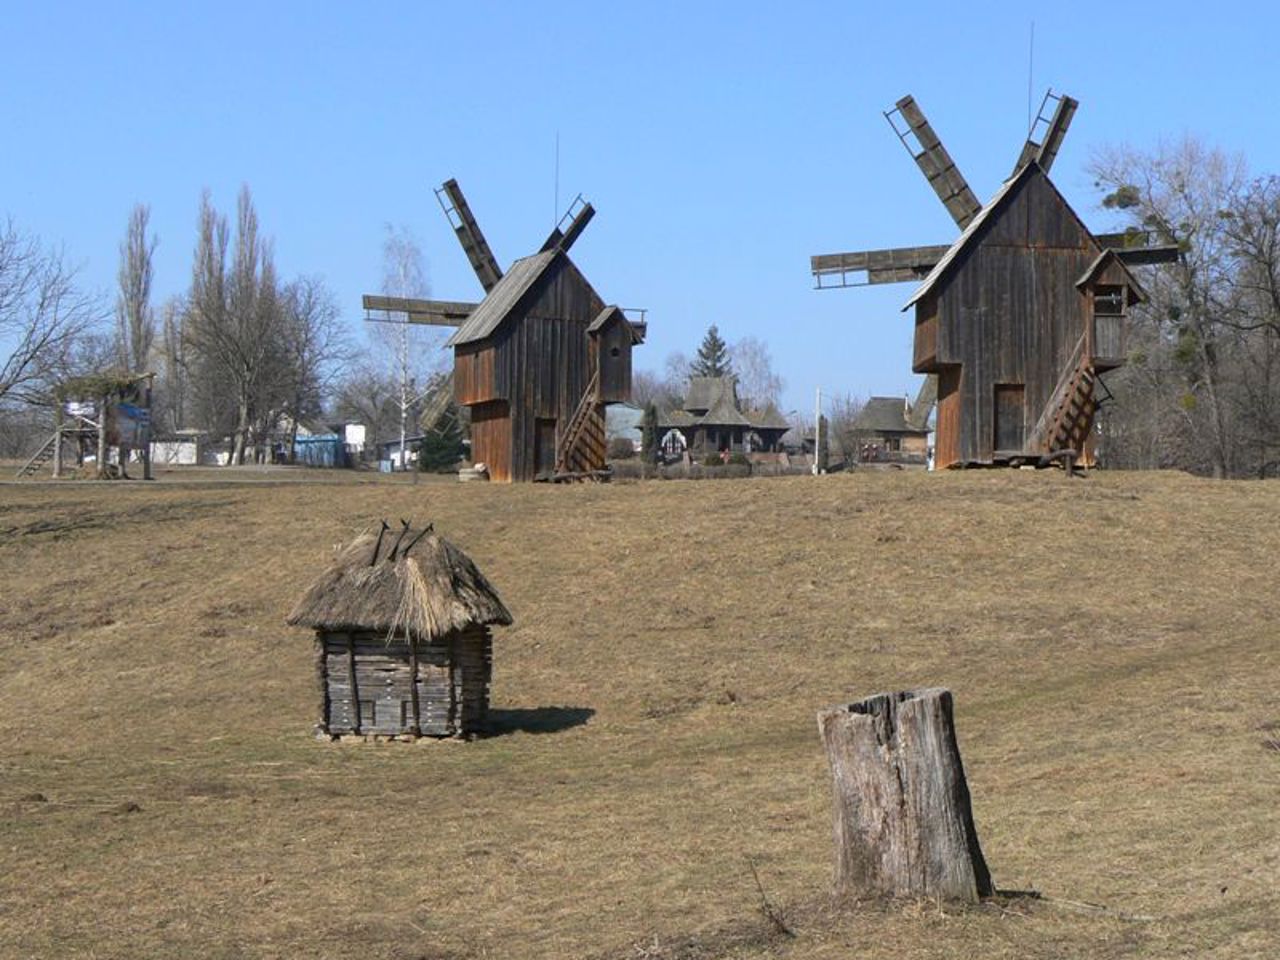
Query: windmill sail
x=473 y=243
x=934 y=161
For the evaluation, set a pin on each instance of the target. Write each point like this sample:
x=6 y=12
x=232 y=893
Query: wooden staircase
x=39 y=459
x=581 y=451
x=1068 y=418
x=1074 y=418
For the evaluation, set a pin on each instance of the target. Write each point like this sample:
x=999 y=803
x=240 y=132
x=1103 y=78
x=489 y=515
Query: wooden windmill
x=1015 y=320
x=537 y=360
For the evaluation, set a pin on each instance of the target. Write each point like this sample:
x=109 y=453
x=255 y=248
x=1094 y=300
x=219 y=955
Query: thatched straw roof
x=400 y=580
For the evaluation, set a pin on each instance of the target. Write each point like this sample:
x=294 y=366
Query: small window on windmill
x=1108 y=300
x=615 y=352
x=368 y=713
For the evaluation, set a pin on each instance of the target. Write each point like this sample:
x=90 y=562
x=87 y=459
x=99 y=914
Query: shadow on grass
x=536 y=720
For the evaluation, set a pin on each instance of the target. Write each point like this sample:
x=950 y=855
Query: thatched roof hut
x=402 y=633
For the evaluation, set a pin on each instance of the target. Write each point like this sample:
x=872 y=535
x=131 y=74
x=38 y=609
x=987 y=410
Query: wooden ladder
x=1073 y=418
x=581 y=448
x=40 y=458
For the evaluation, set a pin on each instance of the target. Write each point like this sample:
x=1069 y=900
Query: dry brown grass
x=1111 y=643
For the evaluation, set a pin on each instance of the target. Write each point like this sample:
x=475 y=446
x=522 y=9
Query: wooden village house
x=403 y=647
x=711 y=420
x=889 y=429
x=1020 y=316
x=535 y=362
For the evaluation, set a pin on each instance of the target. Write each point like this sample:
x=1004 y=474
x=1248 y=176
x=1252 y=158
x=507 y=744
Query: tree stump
x=903 y=822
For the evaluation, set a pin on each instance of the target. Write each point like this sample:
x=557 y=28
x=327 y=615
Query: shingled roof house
x=712 y=420
x=886 y=428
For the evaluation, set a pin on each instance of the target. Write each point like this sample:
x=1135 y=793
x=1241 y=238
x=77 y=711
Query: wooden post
x=146 y=437
x=102 y=437
x=57 y=441
x=903 y=822
x=351 y=682
x=416 y=729
x=322 y=681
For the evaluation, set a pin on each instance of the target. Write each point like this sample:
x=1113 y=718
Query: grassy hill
x=1112 y=644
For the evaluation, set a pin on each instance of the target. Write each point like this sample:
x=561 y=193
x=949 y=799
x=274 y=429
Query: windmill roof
x=427 y=589
x=943 y=266
x=1100 y=261
x=885 y=415
x=503 y=298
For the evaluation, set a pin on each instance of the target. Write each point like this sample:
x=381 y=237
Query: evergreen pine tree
x=713 y=356
x=441 y=449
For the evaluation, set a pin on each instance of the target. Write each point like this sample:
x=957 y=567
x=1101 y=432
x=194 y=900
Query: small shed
x=403 y=647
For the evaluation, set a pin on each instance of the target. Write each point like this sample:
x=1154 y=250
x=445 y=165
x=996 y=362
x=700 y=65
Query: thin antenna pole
x=1031 y=61
x=555 y=214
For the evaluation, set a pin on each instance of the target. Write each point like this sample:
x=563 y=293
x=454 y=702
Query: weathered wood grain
x=902 y=819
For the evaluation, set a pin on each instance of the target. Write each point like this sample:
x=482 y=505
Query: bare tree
x=317 y=349
x=411 y=346
x=368 y=394
x=170 y=403
x=845 y=437
x=676 y=371
x=235 y=316
x=1180 y=191
x=758 y=384
x=43 y=315
x=135 y=321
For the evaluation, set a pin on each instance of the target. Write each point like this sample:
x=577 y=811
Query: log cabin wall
x=473 y=673
x=1009 y=314
x=453 y=683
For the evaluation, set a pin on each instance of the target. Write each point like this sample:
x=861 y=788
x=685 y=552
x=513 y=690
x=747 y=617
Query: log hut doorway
x=1010 y=417
x=544 y=454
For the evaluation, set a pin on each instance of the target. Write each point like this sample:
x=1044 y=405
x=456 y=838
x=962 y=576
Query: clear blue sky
x=721 y=144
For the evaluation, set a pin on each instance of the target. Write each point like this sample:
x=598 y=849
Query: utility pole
x=817 y=430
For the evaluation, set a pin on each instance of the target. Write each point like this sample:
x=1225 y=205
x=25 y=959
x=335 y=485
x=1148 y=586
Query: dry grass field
x=1112 y=644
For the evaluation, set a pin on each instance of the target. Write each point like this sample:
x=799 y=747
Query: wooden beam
x=440 y=313
x=860 y=267
x=1141 y=256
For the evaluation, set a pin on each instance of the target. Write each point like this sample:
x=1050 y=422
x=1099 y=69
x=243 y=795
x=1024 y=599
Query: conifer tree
x=713 y=356
x=441 y=449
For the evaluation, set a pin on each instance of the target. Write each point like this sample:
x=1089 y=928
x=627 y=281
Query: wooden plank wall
x=473 y=374
x=613 y=346
x=946 y=445
x=925 y=346
x=491 y=438
x=1010 y=313
x=453 y=683
x=543 y=362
